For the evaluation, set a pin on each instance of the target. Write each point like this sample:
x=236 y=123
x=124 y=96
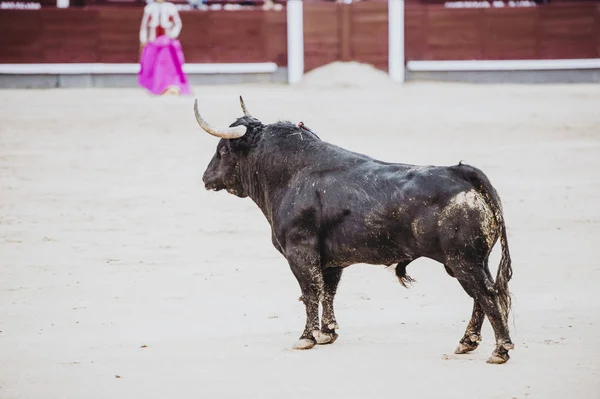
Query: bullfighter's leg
x=475 y=281
x=331 y=279
x=305 y=266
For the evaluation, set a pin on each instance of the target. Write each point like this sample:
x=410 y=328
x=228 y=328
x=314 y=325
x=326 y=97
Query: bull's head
x=224 y=170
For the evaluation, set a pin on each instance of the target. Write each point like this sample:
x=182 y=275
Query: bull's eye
x=224 y=150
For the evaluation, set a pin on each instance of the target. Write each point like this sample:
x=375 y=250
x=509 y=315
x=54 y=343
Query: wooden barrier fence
x=552 y=31
x=356 y=31
x=108 y=35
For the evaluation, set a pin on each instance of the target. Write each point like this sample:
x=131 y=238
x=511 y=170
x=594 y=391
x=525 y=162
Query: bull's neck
x=267 y=173
x=251 y=174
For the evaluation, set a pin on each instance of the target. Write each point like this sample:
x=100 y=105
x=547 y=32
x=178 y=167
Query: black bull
x=330 y=208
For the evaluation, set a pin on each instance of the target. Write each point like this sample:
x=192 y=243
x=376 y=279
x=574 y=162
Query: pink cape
x=161 y=66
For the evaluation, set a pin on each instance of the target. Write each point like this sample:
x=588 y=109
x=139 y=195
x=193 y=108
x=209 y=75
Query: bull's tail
x=504 y=275
x=483 y=186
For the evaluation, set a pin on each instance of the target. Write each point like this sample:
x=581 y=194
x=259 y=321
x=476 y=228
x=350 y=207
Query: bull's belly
x=374 y=252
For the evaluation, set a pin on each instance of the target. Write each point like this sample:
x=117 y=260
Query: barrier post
x=295 y=41
x=396 y=40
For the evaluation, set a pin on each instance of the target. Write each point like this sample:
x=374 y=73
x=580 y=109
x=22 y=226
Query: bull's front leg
x=304 y=262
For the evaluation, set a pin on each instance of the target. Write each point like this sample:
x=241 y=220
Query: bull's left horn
x=224 y=133
x=246 y=113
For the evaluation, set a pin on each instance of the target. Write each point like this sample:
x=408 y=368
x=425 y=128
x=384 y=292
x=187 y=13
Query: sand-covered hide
x=122 y=277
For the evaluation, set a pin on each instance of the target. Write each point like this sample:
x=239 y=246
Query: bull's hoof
x=508 y=346
x=333 y=326
x=304 y=343
x=465 y=348
x=324 y=337
x=498 y=358
x=469 y=344
x=475 y=338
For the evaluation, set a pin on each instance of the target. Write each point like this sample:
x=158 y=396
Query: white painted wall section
x=503 y=65
x=295 y=41
x=101 y=69
x=396 y=40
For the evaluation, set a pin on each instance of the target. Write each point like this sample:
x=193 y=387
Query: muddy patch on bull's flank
x=472 y=200
x=418 y=227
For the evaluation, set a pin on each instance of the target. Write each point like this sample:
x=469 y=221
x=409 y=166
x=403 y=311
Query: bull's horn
x=246 y=113
x=224 y=133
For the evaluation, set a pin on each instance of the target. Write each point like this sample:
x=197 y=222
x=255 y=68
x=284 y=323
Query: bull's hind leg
x=470 y=341
x=475 y=281
x=331 y=278
x=491 y=307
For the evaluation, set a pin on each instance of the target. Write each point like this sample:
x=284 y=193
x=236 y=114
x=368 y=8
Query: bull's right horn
x=224 y=133
x=246 y=113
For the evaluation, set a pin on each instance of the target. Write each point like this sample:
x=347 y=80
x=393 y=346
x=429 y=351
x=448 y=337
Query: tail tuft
x=404 y=278
x=504 y=275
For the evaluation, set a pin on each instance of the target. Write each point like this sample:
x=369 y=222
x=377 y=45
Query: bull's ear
x=247 y=141
x=226 y=148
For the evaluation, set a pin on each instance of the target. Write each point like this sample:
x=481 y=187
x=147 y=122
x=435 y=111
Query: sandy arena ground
x=121 y=277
